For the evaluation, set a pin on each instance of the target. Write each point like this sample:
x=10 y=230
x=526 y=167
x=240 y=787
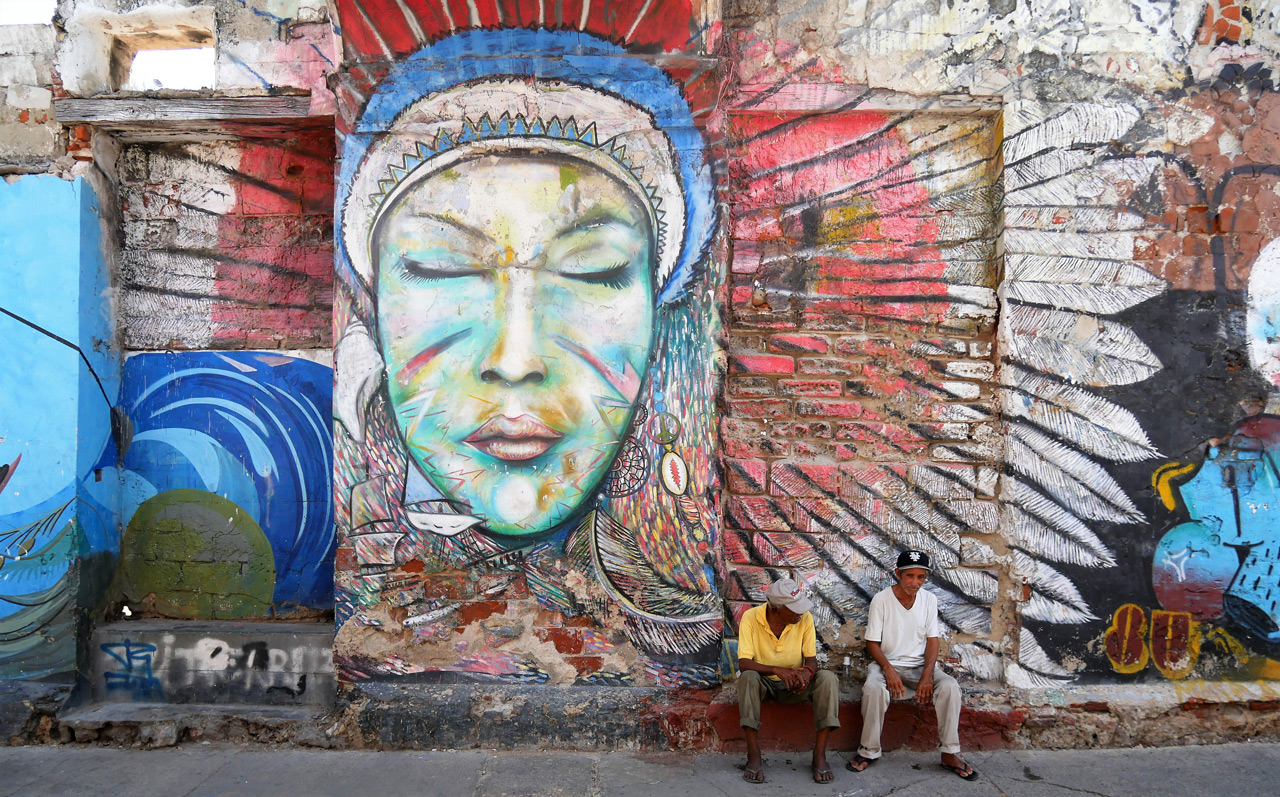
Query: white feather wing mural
x=1062 y=342
x=1033 y=467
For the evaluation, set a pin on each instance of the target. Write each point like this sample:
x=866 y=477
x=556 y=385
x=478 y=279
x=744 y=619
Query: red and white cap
x=789 y=594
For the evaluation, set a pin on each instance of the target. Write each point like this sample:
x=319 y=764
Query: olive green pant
x=823 y=692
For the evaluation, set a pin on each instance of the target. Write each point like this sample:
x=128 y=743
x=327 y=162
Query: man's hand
x=892 y=680
x=924 y=690
x=803 y=678
x=794 y=680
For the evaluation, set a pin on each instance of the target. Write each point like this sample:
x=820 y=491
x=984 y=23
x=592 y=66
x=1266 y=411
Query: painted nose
x=514 y=358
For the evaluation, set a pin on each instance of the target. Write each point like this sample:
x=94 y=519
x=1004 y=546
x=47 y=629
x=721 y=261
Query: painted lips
x=514 y=439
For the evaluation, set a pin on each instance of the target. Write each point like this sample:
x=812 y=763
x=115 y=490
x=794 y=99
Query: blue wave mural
x=249 y=427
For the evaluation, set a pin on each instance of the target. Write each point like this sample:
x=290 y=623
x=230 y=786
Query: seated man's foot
x=858 y=763
x=962 y=770
x=821 y=770
x=754 y=771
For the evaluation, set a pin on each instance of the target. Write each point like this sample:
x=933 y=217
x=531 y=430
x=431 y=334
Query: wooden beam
x=123 y=112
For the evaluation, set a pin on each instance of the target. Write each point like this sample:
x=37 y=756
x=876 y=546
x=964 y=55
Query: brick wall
x=859 y=413
x=228 y=244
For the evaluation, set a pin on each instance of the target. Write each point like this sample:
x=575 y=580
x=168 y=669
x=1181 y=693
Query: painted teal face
x=515 y=316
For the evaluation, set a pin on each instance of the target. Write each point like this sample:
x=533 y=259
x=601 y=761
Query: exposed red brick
x=476 y=611
x=585 y=665
x=838 y=408
x=1198 y=217
x=344 y=558
x=798 y=343
x=760 y=408
x=746 y=476
x=761 y=364
x=810 y=387
x=566 y=640
x=1244 y=220
x=1195 y=245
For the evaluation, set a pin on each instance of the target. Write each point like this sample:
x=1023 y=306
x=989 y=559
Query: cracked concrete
x=197 y=770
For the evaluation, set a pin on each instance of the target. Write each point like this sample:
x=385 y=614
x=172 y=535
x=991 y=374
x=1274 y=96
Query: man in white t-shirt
x=902 y=640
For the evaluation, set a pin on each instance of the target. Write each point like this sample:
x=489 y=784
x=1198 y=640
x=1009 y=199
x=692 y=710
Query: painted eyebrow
x=594 y=217
x=466 y=229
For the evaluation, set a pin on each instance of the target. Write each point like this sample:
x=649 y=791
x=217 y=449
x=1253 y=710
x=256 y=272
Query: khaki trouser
x=823 y=691
x=876 y=698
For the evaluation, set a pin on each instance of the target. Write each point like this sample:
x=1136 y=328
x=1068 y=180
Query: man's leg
x=875 y=701
x=752 y=691
x=947 y=701
x=824 y=692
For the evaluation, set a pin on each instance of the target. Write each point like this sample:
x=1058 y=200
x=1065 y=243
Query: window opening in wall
x=188 y=68
x=27 y=12
x=152 y=54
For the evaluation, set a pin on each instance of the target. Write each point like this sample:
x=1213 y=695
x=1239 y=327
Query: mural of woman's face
x=515 y=307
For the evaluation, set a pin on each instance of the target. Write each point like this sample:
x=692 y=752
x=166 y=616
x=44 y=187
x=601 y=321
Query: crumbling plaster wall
x=274 y=47
x=28 y=133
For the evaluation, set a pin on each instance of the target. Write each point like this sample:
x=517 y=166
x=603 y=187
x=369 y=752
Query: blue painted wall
x=58 y=530
x=245 y=433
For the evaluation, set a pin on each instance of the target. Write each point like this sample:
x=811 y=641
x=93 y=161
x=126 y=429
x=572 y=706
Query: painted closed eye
x=618 y=275
x=432 y=270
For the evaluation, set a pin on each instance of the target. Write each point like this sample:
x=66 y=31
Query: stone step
x=213 y=662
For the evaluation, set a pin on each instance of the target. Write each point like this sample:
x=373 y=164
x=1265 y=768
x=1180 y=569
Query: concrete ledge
x=1085 y=716
x=418 y=716
x=161 y=725
x=601 y=718
x=424 y=716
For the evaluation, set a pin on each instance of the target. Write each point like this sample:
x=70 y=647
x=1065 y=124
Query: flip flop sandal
x=823 y=775
x=866 y=762
x=754 y=775
x=960 y=772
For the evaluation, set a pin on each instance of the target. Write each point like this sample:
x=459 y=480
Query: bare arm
x=924 y=691
x=891 y=678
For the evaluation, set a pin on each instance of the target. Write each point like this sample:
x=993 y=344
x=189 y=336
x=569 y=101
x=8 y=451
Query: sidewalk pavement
x=205 y=770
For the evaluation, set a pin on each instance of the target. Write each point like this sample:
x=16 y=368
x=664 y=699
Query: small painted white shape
x=445 y=525
x=1264 y=313
x=675 y=473
x=515 y=498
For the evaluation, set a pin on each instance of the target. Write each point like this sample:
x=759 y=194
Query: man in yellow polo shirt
x=777 y=657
